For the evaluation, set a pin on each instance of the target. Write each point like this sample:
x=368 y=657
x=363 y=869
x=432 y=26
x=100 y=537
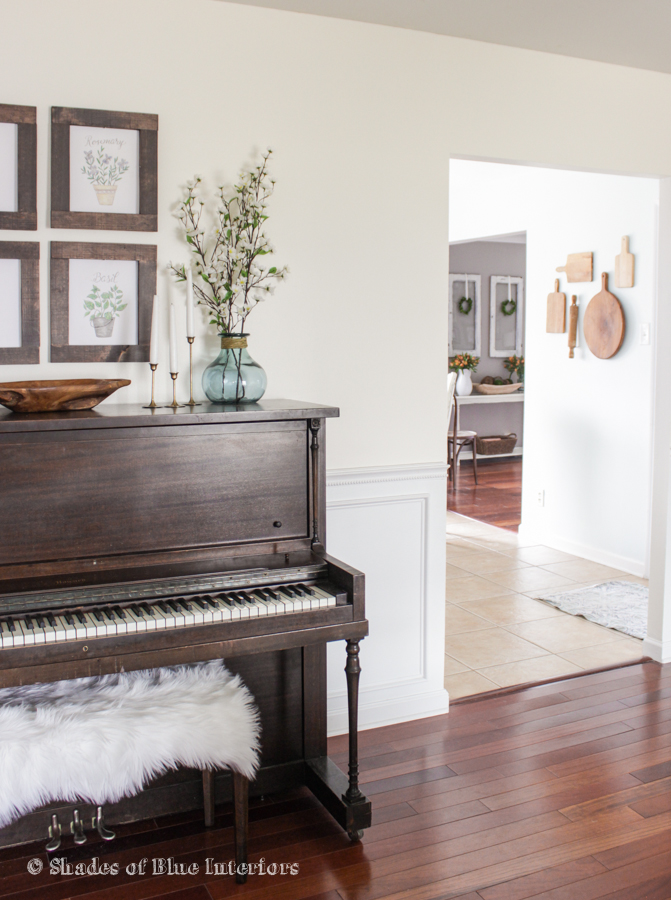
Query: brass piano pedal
x=77 y=828
x=98 y=822
x=54 y=835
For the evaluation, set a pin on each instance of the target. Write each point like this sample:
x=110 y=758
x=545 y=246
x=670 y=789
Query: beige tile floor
x=497 y=633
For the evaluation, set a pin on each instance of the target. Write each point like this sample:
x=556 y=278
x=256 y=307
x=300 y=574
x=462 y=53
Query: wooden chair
x=458 y=439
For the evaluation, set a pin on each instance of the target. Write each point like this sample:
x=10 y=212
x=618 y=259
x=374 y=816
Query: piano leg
x=241 y=806
x=352 y=671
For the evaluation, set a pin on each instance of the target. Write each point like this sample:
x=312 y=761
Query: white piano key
x=325 y=597
x=64 y=631
x=28 y=633
x=138 y=621
x=6 y=636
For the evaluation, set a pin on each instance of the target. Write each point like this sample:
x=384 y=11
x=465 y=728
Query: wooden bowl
x=52 y=396
x=496 y=388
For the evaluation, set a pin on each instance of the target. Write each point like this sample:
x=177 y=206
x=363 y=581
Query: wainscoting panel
x=390 y=523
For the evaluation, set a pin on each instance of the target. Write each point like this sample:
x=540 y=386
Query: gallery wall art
x=18 y=168
x=101 y=301
x=103 y=169
x=19 y=302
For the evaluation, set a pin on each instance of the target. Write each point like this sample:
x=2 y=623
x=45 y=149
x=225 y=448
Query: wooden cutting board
x=556 y=316
x=624 y=266
x=578 y=267
x=603 y=322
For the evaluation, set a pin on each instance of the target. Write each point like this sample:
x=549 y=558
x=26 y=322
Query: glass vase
x=234 y=377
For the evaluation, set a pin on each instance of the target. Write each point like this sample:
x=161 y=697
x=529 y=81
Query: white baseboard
x=595 y=554
x=390 y=523
x=660 y=651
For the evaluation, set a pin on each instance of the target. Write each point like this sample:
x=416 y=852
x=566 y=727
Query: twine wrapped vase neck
x=233 y=341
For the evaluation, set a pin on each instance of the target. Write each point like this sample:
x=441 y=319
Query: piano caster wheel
x=355 y=836
x=54 y=835
x=98 y=822
x=77 y=828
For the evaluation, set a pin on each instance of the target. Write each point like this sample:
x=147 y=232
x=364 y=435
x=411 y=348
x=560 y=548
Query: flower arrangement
x=515 y=363
x=104 y=304
x=230 y=279
x=464 y=361
x=102 y=169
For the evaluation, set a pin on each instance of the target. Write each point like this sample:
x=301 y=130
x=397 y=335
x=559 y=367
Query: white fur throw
x=101 y=739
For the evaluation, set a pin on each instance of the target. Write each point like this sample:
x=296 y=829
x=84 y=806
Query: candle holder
x=191 y=402
x=153 y=404
x=174 y=404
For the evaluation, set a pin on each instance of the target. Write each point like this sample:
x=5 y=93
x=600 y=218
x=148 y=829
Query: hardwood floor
x=559 y=792
x=496 y=499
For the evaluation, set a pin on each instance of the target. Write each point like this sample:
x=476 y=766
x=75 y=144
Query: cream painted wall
x=362 y=119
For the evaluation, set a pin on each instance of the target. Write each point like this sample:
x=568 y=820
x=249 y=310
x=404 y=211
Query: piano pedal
x=54 y=841
x=98 y=823
x=77 y=828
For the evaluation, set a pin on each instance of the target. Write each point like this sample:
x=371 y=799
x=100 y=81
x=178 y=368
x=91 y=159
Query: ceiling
x=626 y=32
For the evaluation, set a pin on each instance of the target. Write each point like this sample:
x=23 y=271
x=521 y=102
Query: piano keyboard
x=104 y=621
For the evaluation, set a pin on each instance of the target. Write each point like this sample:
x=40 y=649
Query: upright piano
x=133 y=538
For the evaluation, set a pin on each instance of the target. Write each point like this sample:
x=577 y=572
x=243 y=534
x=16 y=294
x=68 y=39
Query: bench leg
x=208 y=797
x=241 y=806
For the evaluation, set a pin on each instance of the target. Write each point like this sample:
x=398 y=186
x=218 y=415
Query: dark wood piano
x=134 y=538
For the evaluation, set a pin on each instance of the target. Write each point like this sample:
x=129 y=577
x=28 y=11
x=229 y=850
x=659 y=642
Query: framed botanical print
x=19 y=302
x=101 y=300
x=104 y=170
x=18 y=168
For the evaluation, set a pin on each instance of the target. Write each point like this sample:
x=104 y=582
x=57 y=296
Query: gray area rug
x=622 y=605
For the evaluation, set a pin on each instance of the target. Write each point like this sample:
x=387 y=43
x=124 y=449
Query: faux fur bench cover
x=101 y=739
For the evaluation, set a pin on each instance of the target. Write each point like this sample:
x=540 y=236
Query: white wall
x=587 y=422
x=363 y=120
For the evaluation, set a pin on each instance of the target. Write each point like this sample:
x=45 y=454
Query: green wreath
x=465 y=305
x=508 y=307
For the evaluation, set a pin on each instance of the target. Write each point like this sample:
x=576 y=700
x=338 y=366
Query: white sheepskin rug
x=101 y=739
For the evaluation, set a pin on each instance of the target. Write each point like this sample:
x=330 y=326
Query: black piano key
x=80 y=617
x=136 y=611
x=109 y=612
x=148 y=611
x=186 y=605
x=29 y=623
x=11 y=625
x=69 y=619
x=289 y=592
x=40 y=622
x=121 y=613
x=98 y=616
x=174 y=605
x=164 y=607
x=51 y=620
x=200 y=603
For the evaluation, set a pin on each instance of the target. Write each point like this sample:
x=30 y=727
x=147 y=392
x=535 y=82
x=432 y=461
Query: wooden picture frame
x=28 y=253
x=495 y=314
x=62 y=252
x=24 y=218
x=457 y=290
x=62 y=216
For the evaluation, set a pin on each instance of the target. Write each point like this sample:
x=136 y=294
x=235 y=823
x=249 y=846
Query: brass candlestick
x=174 y=404
x=153 y=404
x=191 y=402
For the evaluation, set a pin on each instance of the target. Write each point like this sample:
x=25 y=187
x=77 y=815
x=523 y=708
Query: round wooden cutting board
x=603 y=324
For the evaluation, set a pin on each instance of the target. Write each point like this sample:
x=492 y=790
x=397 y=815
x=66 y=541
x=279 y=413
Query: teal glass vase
x=234 y=377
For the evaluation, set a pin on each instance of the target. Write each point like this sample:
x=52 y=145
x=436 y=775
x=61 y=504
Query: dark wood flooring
x=496 y=499
x=558 y=792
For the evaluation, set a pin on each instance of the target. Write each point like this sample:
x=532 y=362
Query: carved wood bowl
x=496 y=388
x=52 y=396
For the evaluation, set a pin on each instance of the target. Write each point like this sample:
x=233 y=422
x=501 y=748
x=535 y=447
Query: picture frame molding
x=519 y=315
x=25 y=217
x=59 y=300
x=477 y=312
x=147 y=125
x=28 y=252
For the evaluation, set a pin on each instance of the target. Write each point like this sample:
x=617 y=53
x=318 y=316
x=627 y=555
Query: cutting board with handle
x=578 y=267
x=603 y=322
x=624 y=266
x=556 y=316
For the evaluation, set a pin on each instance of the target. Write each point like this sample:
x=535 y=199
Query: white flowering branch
x=230 y=279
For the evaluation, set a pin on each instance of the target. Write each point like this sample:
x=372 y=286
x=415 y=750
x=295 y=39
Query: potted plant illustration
x=104 y=173
x=104 y=307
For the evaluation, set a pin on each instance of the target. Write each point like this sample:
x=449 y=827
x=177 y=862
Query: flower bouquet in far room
x=464 y=364
x=230 y=278
x=515 y=364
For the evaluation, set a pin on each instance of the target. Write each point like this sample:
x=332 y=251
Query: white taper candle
x=189 y=303
x=153 y=344
x=173 y=340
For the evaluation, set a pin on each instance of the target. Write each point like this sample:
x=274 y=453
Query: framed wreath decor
x=465 y=305
x=508 y=307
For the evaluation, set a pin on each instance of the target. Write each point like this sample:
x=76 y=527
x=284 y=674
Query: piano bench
x=127 y=729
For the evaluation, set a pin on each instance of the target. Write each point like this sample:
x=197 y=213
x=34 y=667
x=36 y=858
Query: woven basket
x=495 y=444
